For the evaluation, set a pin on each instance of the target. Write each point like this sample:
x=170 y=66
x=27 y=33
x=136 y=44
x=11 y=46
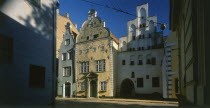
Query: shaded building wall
x=32 y=31
x=189 y=20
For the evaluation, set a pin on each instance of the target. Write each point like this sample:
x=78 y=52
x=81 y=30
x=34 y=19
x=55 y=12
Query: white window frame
x=63 y=57
x=100 y=65
x=103 y=85
x=69 y=55
x=84 y=67
x=67 y=71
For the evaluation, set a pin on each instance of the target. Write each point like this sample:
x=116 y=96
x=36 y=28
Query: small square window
x=94 y=49
x=102 y=48
x=36 y=76
x=155 y=82
x=64 y=56
x=140 y=82
x=95 y=36
x=67 y=41
x=147 y=76
x=87 y=50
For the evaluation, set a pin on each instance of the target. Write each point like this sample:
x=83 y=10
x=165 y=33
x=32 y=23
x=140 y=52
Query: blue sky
x=115 y=21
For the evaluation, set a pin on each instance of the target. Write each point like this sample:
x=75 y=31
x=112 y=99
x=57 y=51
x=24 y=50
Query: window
x=149 y=36
x=139 y=36
x=87 y=50
x=133 y=49
x=95 y=36
x=94 y=49
x=153 y=61
x=100 y=65
x=69 y=55
x=82 y=86
x=132 y=75
x=147 y=76
x=148 y=59
x=35 y=2
x=102 y=48
x=84 y=67
x=142 y=48
x=143 y=36
x=88 y=37
x=67 y=41
x=67 y=71
x=144 y=24
x=132 y=60
x=155 y=82
x=149 y=47
x=6 y=49
x=140 y=58
x=80 y=51
x=139 y=48
x=103 y=85
x=64 y=56
x=123 y=62
x=140 y=82
x=36 y=76
x=134 y=37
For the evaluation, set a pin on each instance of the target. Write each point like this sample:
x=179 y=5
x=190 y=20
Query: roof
x=113 y=37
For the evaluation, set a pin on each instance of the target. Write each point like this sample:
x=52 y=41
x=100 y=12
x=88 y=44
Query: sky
x=115 y=21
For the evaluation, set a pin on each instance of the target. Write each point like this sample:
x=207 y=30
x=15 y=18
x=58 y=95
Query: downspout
x=53 y=52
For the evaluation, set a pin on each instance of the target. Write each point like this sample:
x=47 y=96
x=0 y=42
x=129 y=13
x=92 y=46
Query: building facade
x=27 y=46
x=96 y=59
x=190 y=21
x=61 y=21
x=66 y=74
x=140 y=56
x=170 y=67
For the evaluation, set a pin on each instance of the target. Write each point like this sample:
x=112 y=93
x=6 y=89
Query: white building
x=140 y=56
x=27 y=51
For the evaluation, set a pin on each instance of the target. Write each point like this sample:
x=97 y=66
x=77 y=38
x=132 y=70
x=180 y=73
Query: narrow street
x=103 y=103
x=112 y=103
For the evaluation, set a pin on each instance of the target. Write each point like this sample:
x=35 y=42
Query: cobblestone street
x=104 y=103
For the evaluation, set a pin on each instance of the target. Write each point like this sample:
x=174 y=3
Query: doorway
x=93 y=88
x=67 y=89
x=127 y=88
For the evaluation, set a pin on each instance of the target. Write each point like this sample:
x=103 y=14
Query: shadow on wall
x=42 y=16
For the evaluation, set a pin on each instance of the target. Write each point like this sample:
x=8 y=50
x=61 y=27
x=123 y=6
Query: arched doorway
x=93 y=88
x=127 y=88
x=67 y=89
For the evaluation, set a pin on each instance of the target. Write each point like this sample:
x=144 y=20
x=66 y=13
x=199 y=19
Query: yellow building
x=173 y=42
x=170 y=67
x=96 y=57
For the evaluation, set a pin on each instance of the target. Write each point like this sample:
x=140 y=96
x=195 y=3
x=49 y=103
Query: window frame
x=103 y=86
x=100 y=65
x=65 y=72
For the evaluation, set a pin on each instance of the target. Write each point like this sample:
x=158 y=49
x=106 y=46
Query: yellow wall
x=91 y=57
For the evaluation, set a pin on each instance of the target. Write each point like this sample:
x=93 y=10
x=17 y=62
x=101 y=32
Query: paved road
x=104 y=103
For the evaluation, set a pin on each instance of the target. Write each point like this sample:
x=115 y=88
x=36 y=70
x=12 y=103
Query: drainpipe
x=55 y=6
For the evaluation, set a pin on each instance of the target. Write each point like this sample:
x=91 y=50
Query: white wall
x=124 y=71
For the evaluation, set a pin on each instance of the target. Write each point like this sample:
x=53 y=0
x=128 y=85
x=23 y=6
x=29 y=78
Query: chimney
x=67 y=15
